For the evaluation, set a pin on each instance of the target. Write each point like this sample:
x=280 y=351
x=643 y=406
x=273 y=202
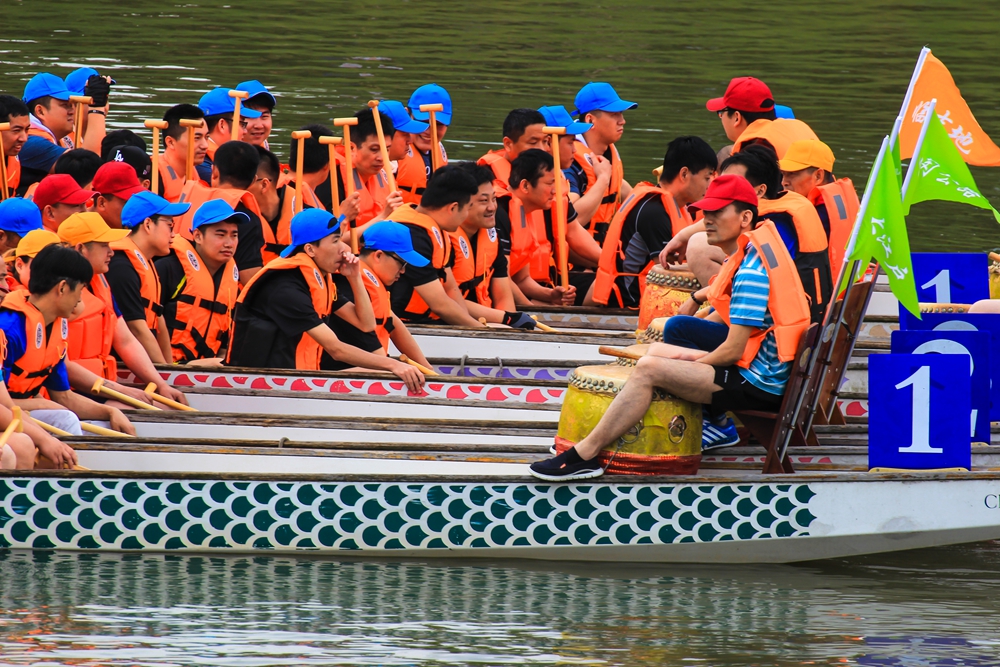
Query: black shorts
x=738 y=393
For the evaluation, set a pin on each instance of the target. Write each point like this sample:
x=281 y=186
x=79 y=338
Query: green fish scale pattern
x=121 y=514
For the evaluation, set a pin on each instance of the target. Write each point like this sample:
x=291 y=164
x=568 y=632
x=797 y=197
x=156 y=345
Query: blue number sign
x=976 y=344
x=918 y=411
x=951 y=277
x=964 y=322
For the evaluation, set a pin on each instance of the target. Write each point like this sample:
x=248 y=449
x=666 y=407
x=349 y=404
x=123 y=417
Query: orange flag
x=934 y=81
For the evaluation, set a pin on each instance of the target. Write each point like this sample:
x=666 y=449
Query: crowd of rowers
x=211 y=260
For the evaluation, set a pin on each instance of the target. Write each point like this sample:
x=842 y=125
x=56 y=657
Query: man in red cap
x=746 y=101
x=58 y=196
x=114 y=183
x=757 y=295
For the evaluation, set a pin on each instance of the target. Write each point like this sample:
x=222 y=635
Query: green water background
x=843 y=66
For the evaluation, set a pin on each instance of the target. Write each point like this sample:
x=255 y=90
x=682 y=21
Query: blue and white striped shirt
x=748 y=307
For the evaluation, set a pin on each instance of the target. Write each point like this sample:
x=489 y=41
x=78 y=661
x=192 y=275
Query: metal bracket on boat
x=461 y=366
x=282 y=442
x=500 y=364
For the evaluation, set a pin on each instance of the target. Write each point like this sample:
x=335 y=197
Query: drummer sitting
x=758 y=294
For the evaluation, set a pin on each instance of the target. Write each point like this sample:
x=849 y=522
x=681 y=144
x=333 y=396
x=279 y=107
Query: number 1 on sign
x=920 y=438
x=942 y=286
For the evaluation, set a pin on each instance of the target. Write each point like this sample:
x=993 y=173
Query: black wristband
x=696 y=300
x=100 y=111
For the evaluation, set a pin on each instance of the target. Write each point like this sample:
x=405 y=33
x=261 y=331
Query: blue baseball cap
x=255 y=88
x=214 y=211
x=389 y=236
x=19 y=216
x=145 y=204
x=430 y=93
x=558 y=117
x=781 y=111
x=39 y=153
x=600 y=96
x=76 y=81
x=218 y=101
x=396 y=112
x=310 y=226
x=44 y=84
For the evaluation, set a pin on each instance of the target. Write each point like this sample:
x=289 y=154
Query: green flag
x=941 y=173
x=882 y=234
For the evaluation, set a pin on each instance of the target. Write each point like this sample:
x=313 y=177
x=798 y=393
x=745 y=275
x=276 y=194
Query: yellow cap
x=807 y=153
x=32 y=243
x=87 y=228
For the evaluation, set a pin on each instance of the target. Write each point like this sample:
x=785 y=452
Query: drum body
x=638 y=350
x=664 y=293
x=653 y=332
x=666 y=442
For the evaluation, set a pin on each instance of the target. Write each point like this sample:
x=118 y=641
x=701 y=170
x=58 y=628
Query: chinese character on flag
x=934 y=81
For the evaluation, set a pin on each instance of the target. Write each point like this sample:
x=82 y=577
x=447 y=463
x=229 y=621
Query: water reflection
x=928 y=608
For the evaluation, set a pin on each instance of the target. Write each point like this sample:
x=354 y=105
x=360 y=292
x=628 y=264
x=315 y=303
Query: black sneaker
x=566 y=467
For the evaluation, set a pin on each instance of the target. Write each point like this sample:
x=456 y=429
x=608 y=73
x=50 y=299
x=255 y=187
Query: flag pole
x=829 y=328
x=917 y=69
x=916 y=148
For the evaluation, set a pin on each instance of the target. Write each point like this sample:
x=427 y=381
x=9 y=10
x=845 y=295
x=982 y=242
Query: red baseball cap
x=744 y=93
x=724 y=190
x=118 y=179
x=60 y=189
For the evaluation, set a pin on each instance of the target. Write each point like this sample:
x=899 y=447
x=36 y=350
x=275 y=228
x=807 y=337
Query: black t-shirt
x=414 y=276
x=251 y=241
x=503 y=227
x=270 y=325
x=645 y=232
x=126 y=287
x=347 y=332
x=172 y=281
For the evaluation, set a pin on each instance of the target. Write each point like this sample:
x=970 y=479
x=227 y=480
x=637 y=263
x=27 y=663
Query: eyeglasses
x=402 y=262
x=726 y=111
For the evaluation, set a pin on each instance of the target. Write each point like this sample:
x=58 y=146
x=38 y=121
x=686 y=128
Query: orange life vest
x=473 y=271
x=523 y=241
x=602 y=217
x=612 y=252
x=41 y=356
x=173 y=182
x=813 y=258
x=497 y=161
x=204 y=315
x=309 y=200
x=13 y=173
x=149 y=280
x=841 y=201
x=373 y=194
x=411 y=174
x=441 y=243
x=197 y=194
x=381 y=305
x=322 y=291
x=780 y=133
x=786 y=301
x=92 y=331
x=29 y=194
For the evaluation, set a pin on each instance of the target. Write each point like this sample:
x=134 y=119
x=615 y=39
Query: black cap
x=135 y=157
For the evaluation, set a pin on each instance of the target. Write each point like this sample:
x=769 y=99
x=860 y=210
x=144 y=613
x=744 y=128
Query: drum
x=994 y=275
x=665 y=291
x=666 y=442
x=653 y=332
x=637 y=350
x=944 y=307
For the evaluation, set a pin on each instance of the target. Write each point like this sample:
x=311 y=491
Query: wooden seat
x=769 y=427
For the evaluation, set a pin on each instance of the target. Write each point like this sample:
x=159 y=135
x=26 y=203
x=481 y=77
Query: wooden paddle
x=348 y=170
x=16 y=425
x=436 y=155
x=544 y=327
x=237 y=95
x=78 y=102
x=299 y=136
x=558 y=212
x=994 y=257
x=4 y=193
x=618 y=352
x=99 y=388
x=373 y=105
x=156 y=126
x=100 y=430
x=190 y=124
x=150 y=391
x=332 y=143
x=423 y=369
